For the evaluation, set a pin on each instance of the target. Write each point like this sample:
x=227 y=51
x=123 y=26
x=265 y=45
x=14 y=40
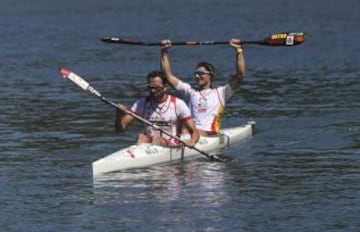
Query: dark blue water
x=300 y=172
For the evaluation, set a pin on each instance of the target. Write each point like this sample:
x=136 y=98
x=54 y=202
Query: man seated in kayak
x=161 y=109
x=207 y=104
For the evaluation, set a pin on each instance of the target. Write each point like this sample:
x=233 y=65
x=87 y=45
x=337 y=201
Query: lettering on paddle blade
x=279 y=36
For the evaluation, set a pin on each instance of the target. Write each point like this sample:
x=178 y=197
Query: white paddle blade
x=74 y=78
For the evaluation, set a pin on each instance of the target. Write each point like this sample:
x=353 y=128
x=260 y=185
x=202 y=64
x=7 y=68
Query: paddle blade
x=64 y=72
x=128 y=41
x=67 y=74
x=220 y=158
x=284 y=39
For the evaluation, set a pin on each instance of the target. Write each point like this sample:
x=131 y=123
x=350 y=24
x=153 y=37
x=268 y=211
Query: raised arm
x=235 y=81
x=165 y=63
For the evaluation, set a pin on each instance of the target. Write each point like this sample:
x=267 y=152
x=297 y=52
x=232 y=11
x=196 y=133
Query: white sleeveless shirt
x=207 y=106
x=167 y=115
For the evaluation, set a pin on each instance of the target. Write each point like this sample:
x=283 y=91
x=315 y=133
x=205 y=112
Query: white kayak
x=145 y=154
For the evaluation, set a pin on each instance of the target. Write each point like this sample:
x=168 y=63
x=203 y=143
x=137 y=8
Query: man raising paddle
x=165 y=111
x=207 y=104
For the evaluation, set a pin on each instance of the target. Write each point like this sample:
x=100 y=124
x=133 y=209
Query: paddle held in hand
x=278 y=39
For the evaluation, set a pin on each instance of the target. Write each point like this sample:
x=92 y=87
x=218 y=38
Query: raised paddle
x=278 y=39
x=87 y=87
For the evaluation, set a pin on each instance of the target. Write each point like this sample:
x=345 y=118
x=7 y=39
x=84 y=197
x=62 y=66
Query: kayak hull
x=145 y=154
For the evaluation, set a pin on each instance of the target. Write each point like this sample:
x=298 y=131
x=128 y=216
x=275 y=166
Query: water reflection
x=200 y=178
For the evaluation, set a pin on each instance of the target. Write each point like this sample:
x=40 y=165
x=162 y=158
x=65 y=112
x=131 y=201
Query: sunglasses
x=155 y=87
x=201 y=73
